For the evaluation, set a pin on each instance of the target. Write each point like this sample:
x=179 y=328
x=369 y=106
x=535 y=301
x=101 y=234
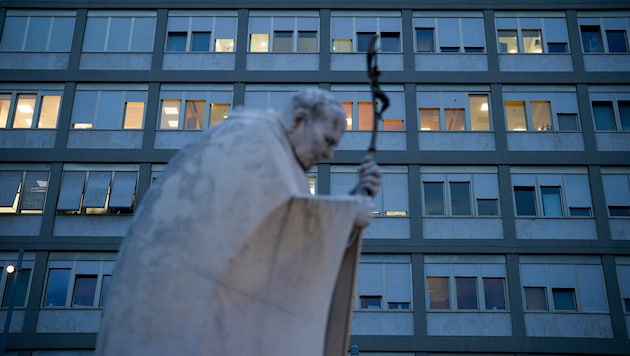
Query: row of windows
x=104 y=107
x=298 y=32
x=452 y=191
x=385 y=283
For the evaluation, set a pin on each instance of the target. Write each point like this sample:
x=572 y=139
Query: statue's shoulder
x=257 y=115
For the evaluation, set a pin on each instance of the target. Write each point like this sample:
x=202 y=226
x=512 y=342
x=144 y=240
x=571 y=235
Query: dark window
x=283 y=41
x=21 y=287
x=603 y=115
x=363 y=41
x=617 y=41
x=564 y=298
x=591 y=40
x=57 y=288
x=535 y=298
x=567 y=122
x=557 y=47
x=487 y=207
x=84 y=290
x=424 y=40
x=473 y=49
x=574 y=211
x=370 y=301
x=494 y=289
x=201 y=42
x=619 y=210
x=626 y=303
x=438 y=293
x=449 y=49
x=105 y=287
x=460 y=198
x=624 y=115
x=398 y=306
x=176 y=42
x=390 y=41
x=466 y=292
x=525 y=201
x=434 y=198
x=307 y=41
x=552 y=204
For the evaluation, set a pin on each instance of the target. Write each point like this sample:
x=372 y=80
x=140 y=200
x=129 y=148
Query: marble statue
x=230 y=254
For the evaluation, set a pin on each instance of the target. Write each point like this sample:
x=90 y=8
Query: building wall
x=498 y=232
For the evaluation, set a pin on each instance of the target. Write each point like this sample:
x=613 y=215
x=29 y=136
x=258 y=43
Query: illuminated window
x=49 y=111
x=25 y=110
x=23 y=192
x=201 y=34
x=347 y=107
x=453 y=111
x=429 y=119
x=541 y=115
x=282 y=32
x=359 y=109
x=218 y=113
x=454 y=119
x=366 y=116
x=30 y=110
x=224 y=45
x=196 y=108
x=134 y=115
x=108 y=109
x=259 y=42
x=194 y=114
x=170 y=114
x=515 y=115
x=342 y=45
x=508 y=41
x=532 y=41
x=479 y=118
x=438 y=293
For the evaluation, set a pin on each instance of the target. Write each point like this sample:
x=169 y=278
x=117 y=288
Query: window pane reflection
x=84 y=290
x=434 y=198
x=49 y=112
x=494 y=290
x=194 y=114
x=454 y=119
x=466 y=292
x=438 y=293
x=532 y=42
x=541 y=115
x=57 y=288
x=429 y=119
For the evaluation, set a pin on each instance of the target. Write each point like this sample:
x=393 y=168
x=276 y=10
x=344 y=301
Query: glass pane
x=398 y=306
x=363 y=41
x=541 y=115
x=624 y=115
x=143 y=34
x=218 y=113
x=370 y=302
x=307 y=41
x=49 y=112
x=24 y=111
x=626 y=304
x=433 y=198
x=552 y=205
x=429 y=119
x=71 y=192
x=38 y=33
x=449 y=49
x=134 y=115
x=170 y=114
x=466 y=292
x=525 y=201
x=5 y=103
x=97 y=189
x=460 y=198
x=104 y=288
x=84 y=290
x=479 y=114
x=619 y=210
x=579 y=211
x=591 y=41
x=390 y=41
x=507 y=41
x=200 y=42
x=438 y=293
x=494 y=289
x=119 y=34
x=535 y=298
x=366 y=115
x=283 y=41
x=224 y=45
x=532 y=42
x=342 y=45
x=603 y=115
x=393 y=125
x=34 y=192
x=487 y=207
x=312 y=185
x=425 y=40
x=515 y=113
x=563 y=299
x=21 y=287
x=176 y=42
x=259 y=42
x=557 y=47
x=617 y=41
x=567 y=122
x=57 y=287
x=9 y=191
x=121 y=198
x=454 y=119
x=347 y=107
x=194 y=114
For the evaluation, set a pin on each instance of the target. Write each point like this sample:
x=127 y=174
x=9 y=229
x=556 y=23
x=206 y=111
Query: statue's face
x=315 y=140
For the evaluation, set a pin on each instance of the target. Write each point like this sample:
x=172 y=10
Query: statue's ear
x=299 y=118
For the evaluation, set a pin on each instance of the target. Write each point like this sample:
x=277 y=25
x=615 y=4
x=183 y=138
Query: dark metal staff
x=377 y=92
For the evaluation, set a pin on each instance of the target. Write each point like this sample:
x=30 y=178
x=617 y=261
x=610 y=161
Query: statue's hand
x=369 y=178
x=365 y=211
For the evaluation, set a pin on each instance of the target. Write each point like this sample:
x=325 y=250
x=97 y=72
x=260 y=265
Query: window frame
x=560 y=104
x=619 y=104
x=549 y=33
x=269 y=24
x=388 y=297
x=19 y=197
x=347 y=25
x=93 y=102
x=221 y=26
x=28 y=263
x=440 y=101
x=598 y=27
x=8 y=115
x=214 y=97
x=50 y=37
x=460 y=40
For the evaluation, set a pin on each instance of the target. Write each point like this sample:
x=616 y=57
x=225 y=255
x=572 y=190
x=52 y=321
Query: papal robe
x=230 y=254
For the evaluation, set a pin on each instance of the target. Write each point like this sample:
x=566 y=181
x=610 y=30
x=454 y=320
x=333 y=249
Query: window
x=540 y=111
x=623 y=276
x=193 y=109
x=453 y=111
x=352 y=32
x=563 y=284
x=288 y=33
x=29 y=109
x=78 y=280
x=98 y=190
x=551 y=194
x=457 y=191
x=37 y=31
x=269 y=96
x=617 y=41
x=591 y=39
x=23 y=192
x=18 y=281
x=449 y=34
x=617 y=191
x=531 y=35
x=98 y=107
x=611 y=111
x=107 y=31
x=357 y=101
x=476 y=283
x=203 y=33
x=384 y=283
x=392 y=199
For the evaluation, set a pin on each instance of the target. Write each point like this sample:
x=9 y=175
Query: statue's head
x=315 y=121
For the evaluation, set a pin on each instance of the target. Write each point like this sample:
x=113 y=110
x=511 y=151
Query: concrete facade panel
x=174 y=139
x=20 y=225
x=119 y=61
x=199 y=61
x=17 y=320
x=456 y=141
x=545 y=141
x=105 y=139
x=451 y=62
x=619 y=229
x=69 y=321
x=613 y=141
x=388 y=228
x=462 y=228
x=609 y=62
x=357 y=62
x=382 y=323
x=568 y=325
x=73 y=225
x=545 y=228
x=38 y=138
x=469 y=324
x=535 y=63
x=39 y=61
x=385 y=141
x=284 y=61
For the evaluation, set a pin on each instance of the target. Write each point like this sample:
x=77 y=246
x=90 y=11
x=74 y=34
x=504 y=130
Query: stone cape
x=229 y=254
